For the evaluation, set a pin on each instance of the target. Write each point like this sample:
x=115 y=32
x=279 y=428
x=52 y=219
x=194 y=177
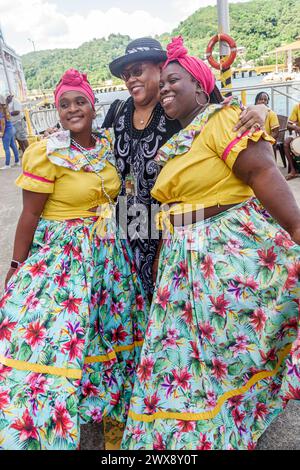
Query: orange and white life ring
x=224 y=64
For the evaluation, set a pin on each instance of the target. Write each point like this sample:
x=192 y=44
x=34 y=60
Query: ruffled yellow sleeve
x=38 y=172
x=224 y=141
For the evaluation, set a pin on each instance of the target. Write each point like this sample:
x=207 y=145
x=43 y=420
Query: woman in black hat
x=141 y=128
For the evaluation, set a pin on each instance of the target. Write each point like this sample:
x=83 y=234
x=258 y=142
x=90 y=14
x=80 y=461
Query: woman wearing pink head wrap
x=196 y=67
x=221 y=356
x=200 y=77
x=73 y=312
x=72 y=80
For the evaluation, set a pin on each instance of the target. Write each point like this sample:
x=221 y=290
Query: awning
x=294 y=46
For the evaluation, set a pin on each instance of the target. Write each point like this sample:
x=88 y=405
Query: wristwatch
x=14 y=264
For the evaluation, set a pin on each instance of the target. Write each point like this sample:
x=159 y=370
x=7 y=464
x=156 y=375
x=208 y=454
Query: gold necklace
x=142 y=121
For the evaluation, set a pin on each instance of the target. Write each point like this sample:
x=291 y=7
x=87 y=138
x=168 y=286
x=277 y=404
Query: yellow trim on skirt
x=206 y=415
x=112 y=355
x=41 y=369
x=61 y=371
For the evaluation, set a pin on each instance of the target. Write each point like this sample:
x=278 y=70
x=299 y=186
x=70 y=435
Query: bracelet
x=14 y=264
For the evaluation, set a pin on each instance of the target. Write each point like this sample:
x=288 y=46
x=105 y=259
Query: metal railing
x=283 y=96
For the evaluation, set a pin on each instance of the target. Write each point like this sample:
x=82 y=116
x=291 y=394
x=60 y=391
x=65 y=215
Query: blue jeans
x=9 y=141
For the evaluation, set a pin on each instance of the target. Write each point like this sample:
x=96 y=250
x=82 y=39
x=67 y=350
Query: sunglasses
x=134 y=71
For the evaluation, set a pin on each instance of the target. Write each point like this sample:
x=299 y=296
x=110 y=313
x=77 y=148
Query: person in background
x=141 y=127
x=7 y=132
x=272 y=122
x=221 y=354
x=293 y=126
x=73 y=314
x=18 y=120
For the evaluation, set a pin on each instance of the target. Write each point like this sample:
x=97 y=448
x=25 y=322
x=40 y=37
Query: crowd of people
x=155 y=274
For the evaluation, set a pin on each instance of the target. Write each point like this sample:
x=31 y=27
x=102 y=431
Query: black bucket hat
x=138 y=50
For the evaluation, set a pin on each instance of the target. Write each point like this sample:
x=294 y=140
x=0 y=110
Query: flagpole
x=224 y=27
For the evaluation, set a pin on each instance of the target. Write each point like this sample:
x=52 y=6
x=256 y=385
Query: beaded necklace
x=105 y=225
x=91 y=155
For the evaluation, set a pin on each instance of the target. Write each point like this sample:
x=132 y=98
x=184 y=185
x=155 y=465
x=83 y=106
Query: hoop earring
x=207 y=102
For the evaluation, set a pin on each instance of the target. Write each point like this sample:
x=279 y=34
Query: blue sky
x=54 y=24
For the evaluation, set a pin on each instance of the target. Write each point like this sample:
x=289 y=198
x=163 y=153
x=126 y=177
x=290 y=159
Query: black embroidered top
x=137 y=148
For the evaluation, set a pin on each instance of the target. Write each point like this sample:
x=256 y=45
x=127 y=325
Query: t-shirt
x=271 y=122
x=15 y=105
x=295 y=115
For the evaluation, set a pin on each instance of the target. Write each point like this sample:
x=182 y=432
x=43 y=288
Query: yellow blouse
x=202 y=176
x=71 y=193
x=271 y=122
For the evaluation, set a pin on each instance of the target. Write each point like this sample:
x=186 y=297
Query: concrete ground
x=283 y=434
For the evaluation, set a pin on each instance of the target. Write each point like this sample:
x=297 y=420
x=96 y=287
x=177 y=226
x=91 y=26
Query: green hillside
x=258 y=25
x=44 y=68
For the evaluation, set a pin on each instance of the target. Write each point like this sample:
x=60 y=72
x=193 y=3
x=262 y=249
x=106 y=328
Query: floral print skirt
x=72 y=321
x=221 y=355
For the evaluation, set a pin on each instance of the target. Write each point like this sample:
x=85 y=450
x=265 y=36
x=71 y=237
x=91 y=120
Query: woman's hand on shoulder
x=252 y=118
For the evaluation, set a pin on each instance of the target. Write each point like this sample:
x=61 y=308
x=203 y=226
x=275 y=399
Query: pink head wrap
x=72 y=80
x=196 y=67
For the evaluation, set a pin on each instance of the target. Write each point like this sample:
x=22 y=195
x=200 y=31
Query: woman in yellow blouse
x=72 y=315
x=271 y=123
x=294 y=160
x=217 y=365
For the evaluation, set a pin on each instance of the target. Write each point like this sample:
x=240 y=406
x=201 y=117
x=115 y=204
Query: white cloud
x=41 y=21
x=186 y=7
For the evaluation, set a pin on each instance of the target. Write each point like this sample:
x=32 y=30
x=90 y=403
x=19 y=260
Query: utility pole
x=224 y=27
x=33 y=43
x=4 y=62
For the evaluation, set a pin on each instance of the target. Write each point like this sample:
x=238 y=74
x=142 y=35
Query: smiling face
x=75 y=112
x=141 y=80
x=178 y=91
x=263 y=99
